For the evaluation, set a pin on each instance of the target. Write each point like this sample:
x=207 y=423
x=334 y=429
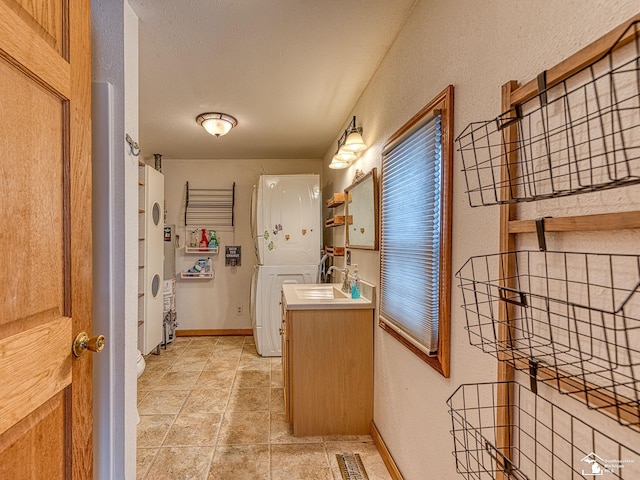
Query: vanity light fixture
x=353 y=141
x=216 y=123
x=350 y=146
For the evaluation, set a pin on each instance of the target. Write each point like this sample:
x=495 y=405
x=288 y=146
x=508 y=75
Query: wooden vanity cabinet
x=327 y=366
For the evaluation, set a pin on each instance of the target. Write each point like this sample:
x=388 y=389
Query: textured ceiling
x=290 y=71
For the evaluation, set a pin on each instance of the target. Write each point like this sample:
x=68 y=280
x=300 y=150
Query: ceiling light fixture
x=216 y=123
x=350 y=146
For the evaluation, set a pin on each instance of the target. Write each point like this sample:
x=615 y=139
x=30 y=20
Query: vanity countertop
x=320 y=296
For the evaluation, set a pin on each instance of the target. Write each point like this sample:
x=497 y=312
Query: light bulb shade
x=337 y=164
x=345 y=156
x=216 y=123
x=354 y=142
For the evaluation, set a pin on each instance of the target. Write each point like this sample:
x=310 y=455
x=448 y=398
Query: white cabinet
x=150 y=258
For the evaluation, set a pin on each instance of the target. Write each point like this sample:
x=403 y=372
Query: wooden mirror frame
x=373 y=177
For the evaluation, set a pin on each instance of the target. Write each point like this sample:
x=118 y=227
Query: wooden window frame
x=442 y=104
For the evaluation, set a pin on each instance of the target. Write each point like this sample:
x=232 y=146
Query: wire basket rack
x=571 y=320
x=576 y=136
x=544 y=441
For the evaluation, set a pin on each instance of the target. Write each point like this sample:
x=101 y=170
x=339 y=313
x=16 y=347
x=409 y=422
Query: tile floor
x=211 y=408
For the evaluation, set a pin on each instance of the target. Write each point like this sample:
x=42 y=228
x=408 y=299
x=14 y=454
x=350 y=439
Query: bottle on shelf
x=193 y=241
x=213 y=239
x=204 y=243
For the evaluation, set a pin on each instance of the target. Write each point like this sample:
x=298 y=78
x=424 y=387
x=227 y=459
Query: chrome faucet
x=345 y=277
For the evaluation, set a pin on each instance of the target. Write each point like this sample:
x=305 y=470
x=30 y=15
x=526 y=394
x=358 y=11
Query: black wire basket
x=570 y=319
x=544 y=442
x=579 y=135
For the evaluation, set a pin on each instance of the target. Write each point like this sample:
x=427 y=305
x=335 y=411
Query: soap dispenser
x=355 y=283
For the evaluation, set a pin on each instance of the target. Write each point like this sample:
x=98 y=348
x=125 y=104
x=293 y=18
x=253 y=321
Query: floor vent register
x=351 y=467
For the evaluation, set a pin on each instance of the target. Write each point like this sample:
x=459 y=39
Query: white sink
x=326 y=292
x=326 y=296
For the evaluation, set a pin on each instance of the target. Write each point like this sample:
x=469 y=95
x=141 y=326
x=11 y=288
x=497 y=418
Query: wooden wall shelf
x=338 y=220
x=336 y=200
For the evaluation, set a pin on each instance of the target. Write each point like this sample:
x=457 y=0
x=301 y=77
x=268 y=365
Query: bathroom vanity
x=327 y=359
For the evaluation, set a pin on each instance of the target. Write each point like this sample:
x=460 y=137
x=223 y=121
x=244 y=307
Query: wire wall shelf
x=209 y=206
x=545 y=441
x=572 y=320
x=579 y=135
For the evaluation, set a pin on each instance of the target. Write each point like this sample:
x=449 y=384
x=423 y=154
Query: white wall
x=477 y=47
x=115 y=60
x=203 y=304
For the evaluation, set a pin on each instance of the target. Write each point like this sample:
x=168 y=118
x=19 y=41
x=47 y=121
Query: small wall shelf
x=336 y=200
x=334 y=251
x=196 y=276
x=201 y=250
x=337 y=221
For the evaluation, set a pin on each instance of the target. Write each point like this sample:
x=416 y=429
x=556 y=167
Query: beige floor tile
x=276 y=379
x=222 y=362
x=347 y=438
x=162 y=401
x=203 y=342
x=215 y=379
x=276 y=402
x=152 y=429
x=281 y=431
x=165 y=357
x=197 y=353
x=144 y=457
x=156 y=369
x=151 y=376
x=228 y=348
x=250 y=350
x=176 y=381
x=240 y=462
x=176 y=346
x=142 y=395
x=371 y=459
x=300 y=462
x=231 y=340
x=244 y=428
x=207 y=400
x=198 y=429
x=250 y=362
x=249 y=340
x=188 y=364
x=252 y=379
x=249 y=399
x=180 y=463
x=235 y=405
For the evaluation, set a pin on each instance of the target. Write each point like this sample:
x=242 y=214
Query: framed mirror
x=362 y=212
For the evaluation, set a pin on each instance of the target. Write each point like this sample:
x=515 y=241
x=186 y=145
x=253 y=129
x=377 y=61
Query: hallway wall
x=202 y=304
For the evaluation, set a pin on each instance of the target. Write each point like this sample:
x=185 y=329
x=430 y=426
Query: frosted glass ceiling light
x=216 y=123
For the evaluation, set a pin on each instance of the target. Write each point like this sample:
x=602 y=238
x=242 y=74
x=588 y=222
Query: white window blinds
x=410 y=235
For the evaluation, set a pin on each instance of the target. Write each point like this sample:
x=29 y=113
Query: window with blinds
x=415 y=210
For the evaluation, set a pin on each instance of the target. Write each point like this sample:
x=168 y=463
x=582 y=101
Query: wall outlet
x=239 y=310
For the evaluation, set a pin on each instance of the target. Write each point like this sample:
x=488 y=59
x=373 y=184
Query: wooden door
x=45 y=232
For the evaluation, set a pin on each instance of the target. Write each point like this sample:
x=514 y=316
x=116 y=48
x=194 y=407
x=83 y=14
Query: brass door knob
x=83 y=342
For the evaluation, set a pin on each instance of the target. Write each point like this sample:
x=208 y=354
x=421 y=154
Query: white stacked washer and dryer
x=286 y=227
